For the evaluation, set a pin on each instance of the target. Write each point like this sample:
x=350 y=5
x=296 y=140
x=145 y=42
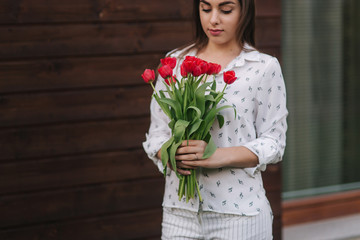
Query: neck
x=225 y=49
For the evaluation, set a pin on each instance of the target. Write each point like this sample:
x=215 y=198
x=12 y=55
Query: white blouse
x=259 y=97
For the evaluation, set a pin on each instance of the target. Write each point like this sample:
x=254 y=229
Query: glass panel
x=351 y=58
x=320 y=56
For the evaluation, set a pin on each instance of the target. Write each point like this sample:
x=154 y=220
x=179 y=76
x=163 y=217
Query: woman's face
x=219 y=20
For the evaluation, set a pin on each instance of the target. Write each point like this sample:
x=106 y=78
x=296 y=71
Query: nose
x=214 y=20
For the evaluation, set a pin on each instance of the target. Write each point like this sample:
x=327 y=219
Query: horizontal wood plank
x=126 y=226
x=74 y=73
x=91 y=39
x=79 y=170
x=59 y=107
x=66 y=11
x=76 y=138
x=89 y=201
x=103 y=39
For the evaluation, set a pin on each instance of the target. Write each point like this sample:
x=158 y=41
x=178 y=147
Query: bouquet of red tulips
x=191 y=105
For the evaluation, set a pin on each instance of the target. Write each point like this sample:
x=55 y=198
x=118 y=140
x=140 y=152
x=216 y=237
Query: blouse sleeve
x=159 y=132
x=270 y=121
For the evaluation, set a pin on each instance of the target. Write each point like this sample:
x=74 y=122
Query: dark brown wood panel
x=69 y=106
x=271 y=178
x=74 y=112
x=268 y=32
x=136 y=225
x=80 y=202
x=268 y=8
x=74 y=73
x=70 y=171
x=93 y=39
x=52 y=11
x=76 y=138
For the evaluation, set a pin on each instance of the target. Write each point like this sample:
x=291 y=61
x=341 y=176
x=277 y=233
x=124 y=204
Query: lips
x=215 y=32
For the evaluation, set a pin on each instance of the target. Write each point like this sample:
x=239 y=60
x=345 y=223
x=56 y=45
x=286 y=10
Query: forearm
x=240 y=157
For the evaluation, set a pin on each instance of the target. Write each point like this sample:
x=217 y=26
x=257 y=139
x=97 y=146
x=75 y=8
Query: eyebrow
x=221 y=4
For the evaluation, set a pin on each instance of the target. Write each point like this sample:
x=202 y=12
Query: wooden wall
x=74 y=111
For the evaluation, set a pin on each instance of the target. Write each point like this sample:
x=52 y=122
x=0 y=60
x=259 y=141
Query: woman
x=234 y=204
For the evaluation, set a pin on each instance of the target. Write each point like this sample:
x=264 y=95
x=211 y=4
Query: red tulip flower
x=183 y=72
x=204 y=67
x=171 y=61
x=213 y=68
x=190 y=58
x=188 y=66
x=148 y=75
x=229 y=77
x=197 y=71
x=165 y=71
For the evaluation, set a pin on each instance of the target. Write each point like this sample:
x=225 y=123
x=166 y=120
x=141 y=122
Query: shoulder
x=268 y=60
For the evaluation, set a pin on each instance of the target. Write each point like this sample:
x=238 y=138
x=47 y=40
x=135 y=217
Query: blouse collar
x=249 y=54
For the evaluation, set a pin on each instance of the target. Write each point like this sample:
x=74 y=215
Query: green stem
x=198 y=190
x=181 y=187
x=152 y=85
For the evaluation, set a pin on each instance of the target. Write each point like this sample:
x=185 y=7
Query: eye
x=206 y=10
x=226 y=12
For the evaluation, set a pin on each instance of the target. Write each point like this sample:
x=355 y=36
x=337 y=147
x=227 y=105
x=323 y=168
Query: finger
x=190 y=143
x=182 y=165
x=192 y=164
x=188 y=157
x=183 y=171
x=189 y=149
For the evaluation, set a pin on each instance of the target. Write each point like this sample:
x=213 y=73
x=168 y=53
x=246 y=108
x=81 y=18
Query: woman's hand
x=190 y=153
x=189 y=156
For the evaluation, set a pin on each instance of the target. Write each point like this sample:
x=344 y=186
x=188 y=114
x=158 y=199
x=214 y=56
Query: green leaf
x=210 y=149
x=163 y=106
x=209 y=119
x=179 y=129
x=195 y=126
x=210 y=98
x=164 y=151
x=172 y=152
x=213 y=86
x=171 y=124
x=221 y=120
x=200 y=97
x=197 y=113
x=162 y=94
x=171 y=94
x=175 y=105
x=178 y=96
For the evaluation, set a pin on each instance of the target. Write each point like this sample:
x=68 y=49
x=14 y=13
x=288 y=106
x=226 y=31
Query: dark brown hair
x=245 y=32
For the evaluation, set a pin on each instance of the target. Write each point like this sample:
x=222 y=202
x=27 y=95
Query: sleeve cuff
x=262 y=161
x=152 y=147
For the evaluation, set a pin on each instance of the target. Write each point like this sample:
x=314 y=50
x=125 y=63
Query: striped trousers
x=184 y=224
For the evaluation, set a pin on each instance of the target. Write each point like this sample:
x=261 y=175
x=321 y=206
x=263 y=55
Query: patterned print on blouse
x=259 y=96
